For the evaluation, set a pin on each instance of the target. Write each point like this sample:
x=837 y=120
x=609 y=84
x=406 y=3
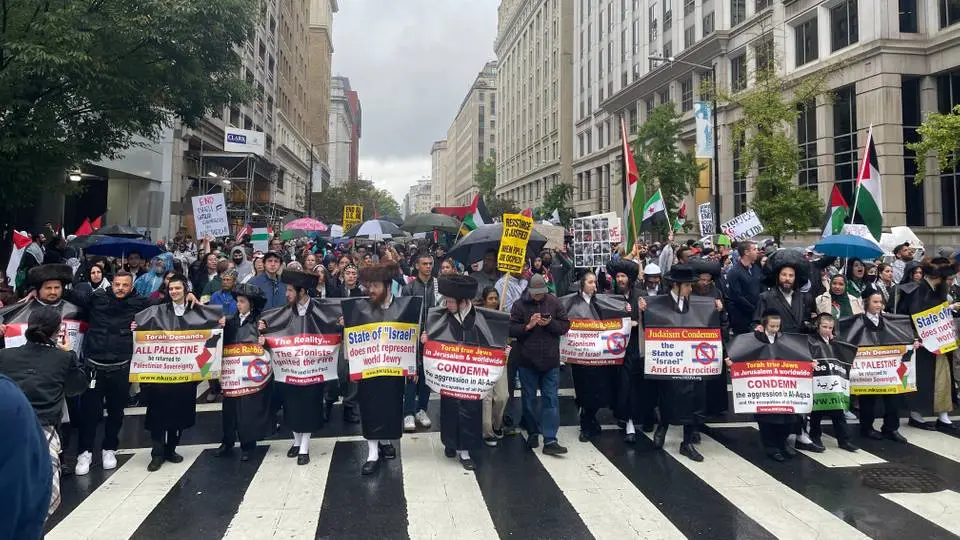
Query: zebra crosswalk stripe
x=942 y=508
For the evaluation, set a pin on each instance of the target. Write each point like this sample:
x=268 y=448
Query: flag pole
x=863 y=165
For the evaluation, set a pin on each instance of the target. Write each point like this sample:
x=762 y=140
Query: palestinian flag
x=97 y=223
x=635 y=195
x=837 y=212
x=654 y=212
x=868 y=203
x=21 y=239
x=472 y=216
x=681 y=217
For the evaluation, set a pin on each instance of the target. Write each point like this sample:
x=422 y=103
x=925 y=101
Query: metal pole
x=310 y=186
x=716 y=155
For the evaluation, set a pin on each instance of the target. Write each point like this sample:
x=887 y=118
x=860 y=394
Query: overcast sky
x=411 y=62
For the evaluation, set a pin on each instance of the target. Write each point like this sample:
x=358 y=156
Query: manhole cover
x=900 y=479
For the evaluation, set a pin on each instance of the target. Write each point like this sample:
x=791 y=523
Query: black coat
x=596 y=387
x=682 y=402
x=795 y=317
x=743 y=289
x=461 y=420
x=775 y=418
x=109 y=339
x=254 y=420
x=170 y=406
x=381 y=398
x=912 y=298
x=539 y=347
x=717 y=397
x=47 y=375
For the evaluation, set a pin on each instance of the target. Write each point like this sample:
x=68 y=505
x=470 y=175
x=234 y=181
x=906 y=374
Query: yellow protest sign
x=513 y=243
x=352 y=216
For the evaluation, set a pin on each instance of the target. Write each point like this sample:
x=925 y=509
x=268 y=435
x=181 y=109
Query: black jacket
x=340 y=291
x=795 y=317
x=46 y=374
x=109 y=339
x=743 y=289
x=540 y=347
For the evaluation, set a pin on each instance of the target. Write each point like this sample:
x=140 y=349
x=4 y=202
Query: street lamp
x=75 y=175
x=715 y=163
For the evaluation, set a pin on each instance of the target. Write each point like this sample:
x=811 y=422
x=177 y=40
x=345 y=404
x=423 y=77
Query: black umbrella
x=83 y=242
x=486 y=238
x=421 y=223
x=120 y=231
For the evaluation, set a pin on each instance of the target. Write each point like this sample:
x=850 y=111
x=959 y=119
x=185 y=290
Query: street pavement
x=600 y=489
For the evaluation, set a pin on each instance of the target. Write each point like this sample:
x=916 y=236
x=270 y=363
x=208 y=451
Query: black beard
x=786 y=288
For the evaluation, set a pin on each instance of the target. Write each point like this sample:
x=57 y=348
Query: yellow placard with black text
x=352 y=216
x=513 y=243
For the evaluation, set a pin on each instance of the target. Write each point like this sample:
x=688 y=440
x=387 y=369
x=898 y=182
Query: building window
x=807 y=140
x=763 y=55
x=949 y=12
x=845 y=140
x=761 y=5
x=805 y=35
x=663 y=96
x=844 y=26
x=738 y=11
x=912 y=194
x=668 y=49
x=738 y=73
x=634 y=115
x=708 y=24
x=908 y=16
x=686 y=94
x=739 y=178
x=948 y=96
x=688 y=6
x=667 y=15
x=648 y=104
x=689 y=36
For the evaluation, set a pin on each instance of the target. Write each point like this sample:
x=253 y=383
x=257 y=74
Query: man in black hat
x=269 y=281
x=796 y=308
x=461 y=419
x=636 y=396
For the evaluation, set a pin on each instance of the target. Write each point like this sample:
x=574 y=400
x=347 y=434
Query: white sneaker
x=109 y=460
x=83 y=464
x=849 y=415
x=423 y=419
x=409 y=424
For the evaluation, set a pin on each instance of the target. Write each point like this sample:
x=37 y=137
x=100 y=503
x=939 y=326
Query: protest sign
x=682 y=345
x=465 y=364
x=831 y=386
x=16 y=316
x=176 y=349
x=513 y=243
x=703 y=116
x=380 y=343
x=305 y=350
x=705 y=212
x=591 y=240
x=599 y=331
x=246 y=369
x=210 y=216
x=553 y=233
x=769 y=378
x=260 y=239
x=746 y=225
x=352 y=216
x=936 y=329
x=883 y=369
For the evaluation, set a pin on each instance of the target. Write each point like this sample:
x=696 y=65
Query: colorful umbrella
x=306 y=224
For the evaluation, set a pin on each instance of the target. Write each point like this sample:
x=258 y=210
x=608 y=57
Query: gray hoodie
x=245 y=268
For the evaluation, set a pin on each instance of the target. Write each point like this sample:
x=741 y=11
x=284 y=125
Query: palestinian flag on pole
x=654 y=212
x=868 y=202
x=681 y=217
x=472 y=216
x=837 y=212
x=635 y=193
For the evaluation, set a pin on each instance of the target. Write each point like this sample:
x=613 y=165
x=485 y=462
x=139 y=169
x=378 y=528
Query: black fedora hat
x=681 y=273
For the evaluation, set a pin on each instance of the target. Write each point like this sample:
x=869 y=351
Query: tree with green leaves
x=770 y=153
x=939 y=136
x=79 y=80
x=329 y=204
x=485 y=178
x=660 y=162
x=558 y=198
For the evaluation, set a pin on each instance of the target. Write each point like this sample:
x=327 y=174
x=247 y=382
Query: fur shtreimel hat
x=625 y=267
x=49 y=272
x=939 y=267
x=298 y=279
x=457 y=287
x=383 y=272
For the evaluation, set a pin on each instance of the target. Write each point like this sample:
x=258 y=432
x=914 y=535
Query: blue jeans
x=548 y=382
x=416 y=395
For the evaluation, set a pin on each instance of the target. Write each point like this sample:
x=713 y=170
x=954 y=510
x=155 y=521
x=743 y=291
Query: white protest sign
x=210 y=216
x=746 y=225
x=705 y=212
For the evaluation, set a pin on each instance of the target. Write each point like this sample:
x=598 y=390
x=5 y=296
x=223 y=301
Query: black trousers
x=891 y=413
x=774 y=436
x=839 y=425
x=230 y=420
x=588 y=421
x=165 y=442
x=688 y=431
x=111 y=388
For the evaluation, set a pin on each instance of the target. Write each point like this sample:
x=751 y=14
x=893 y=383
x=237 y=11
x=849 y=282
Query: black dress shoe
x=554 y=449
x=224 y=451
x=388 y=451
x=848 y=446
x=293 y=452
x=689 y=450
x=468 y=464
x=945 y=427
x=648 y=428
x=370 y=467
x=872 y=434
x=895 y=436
x=450 y=452
x=660 y=436
x=630 y=438
x=533 y=440
x=173 y=457
x=811 y=447
x=244 y=455
x=788 y=452
x=350 y=416
x=303 y=459
x=155 y=464
x=584 y=436
x=776 y=456
x=921 y=425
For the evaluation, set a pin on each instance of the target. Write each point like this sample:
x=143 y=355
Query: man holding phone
x=538 y=320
